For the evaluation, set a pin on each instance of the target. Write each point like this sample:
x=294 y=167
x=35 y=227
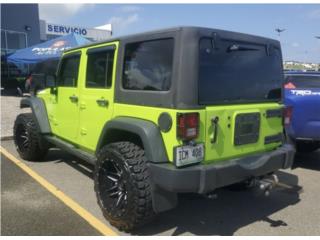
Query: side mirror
x=50 y=81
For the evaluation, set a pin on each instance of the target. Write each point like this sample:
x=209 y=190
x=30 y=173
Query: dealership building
x=21 y=28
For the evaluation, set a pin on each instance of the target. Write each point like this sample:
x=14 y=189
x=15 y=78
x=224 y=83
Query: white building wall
x=96 y=34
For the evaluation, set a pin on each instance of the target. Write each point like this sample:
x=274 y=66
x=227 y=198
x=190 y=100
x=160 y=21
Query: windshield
x=304 y=81
x=231 y=71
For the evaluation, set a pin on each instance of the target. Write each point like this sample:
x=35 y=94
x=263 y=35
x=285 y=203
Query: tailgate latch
x=214 y=122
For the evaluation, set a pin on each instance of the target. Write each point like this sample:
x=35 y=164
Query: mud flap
x=163 y=200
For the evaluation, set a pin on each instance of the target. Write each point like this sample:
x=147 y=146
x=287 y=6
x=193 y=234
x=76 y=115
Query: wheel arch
x=39 y=111
x=143 y=133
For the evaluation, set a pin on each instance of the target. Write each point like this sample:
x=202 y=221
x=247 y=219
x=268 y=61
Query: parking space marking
x=92 y=220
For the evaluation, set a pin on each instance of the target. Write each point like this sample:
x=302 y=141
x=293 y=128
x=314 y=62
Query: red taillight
x=187 y=125
x=287 y=114
x=289 y=85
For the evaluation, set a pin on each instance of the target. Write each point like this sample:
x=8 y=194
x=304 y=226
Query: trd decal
x=305 y=93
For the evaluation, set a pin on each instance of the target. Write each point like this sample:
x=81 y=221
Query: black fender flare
x=148 y=132
x=39 y=111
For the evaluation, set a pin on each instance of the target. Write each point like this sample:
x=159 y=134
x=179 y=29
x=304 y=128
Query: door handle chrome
x=102 y=102
x=73 y=98
x=214 y=122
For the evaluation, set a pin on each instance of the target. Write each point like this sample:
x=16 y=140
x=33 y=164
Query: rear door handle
x=214 y=122
x=73 y=98
x=102 y=102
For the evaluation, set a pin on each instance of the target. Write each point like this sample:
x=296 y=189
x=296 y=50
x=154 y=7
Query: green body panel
x=63 y=114
x=152 y=114
x=224 y=148
x=82 y=122
x=92 y=115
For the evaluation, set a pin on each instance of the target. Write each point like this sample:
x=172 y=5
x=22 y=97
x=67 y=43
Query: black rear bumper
x=206 y=178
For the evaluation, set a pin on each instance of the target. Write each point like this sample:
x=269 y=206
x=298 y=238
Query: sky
x=300 y=21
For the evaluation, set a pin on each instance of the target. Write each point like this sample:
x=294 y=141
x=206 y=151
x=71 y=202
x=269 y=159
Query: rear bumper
x=206 y=178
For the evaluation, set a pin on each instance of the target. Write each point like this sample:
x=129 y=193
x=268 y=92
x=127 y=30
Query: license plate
x=186 y=155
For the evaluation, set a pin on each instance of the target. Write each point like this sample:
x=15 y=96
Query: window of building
x=68 y=74
x=99 y=69
x=16 y=40
x=148 y=65
x=3 y=40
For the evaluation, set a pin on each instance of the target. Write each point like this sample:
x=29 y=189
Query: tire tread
x=134 y=157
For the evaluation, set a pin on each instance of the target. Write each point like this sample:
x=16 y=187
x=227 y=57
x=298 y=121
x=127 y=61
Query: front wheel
x=27 y=138
x=122 y=185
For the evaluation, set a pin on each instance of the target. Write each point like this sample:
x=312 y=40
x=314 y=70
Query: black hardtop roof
x=176 y=29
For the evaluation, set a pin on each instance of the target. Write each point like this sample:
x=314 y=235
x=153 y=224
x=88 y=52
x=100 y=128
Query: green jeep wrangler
x=179 y=110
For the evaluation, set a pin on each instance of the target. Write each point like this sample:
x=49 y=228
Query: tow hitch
x=266 y=184
x=263 y=184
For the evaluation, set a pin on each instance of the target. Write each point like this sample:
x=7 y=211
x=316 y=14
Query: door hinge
x=83 y=106
x=83 y=131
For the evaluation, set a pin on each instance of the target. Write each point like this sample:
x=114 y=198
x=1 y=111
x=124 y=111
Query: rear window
x=304 y=81
x=148 y=65
x=232 y=71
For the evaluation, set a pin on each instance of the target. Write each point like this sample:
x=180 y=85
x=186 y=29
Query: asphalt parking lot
x=29 y=209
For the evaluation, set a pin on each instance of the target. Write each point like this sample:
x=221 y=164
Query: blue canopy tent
x=51 y=49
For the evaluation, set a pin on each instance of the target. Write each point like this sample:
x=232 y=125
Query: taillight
x=187 y=126
x=287 y=114
x=289 y=85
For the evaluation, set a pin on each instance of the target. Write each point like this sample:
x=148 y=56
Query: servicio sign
x=63 y=30
x=95 y=34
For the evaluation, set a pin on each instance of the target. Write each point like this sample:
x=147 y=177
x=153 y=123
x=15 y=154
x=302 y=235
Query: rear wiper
x=236 y=47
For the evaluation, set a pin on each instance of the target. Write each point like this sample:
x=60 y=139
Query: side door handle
x=102 y=102
x=74 y=98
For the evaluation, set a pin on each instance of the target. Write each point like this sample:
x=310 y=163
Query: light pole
x=279 y=31
x=318 y=37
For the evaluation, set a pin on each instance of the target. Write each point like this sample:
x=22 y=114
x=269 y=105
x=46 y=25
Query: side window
x=99 y=69
x=68 y=74
x=148 y=65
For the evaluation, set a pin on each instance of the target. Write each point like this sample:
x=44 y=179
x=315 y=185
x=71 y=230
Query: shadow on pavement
x=80 y=165
x=231 y=211
x=308 y=160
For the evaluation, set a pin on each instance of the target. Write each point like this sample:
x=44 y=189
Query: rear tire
x=29 y=143
x=122 y=185
x=305 y=147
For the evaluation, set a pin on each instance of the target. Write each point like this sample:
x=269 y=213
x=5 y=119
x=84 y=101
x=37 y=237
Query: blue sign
x=58 y=29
